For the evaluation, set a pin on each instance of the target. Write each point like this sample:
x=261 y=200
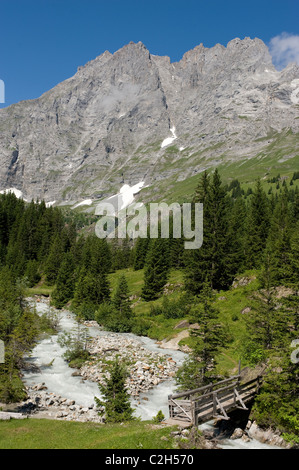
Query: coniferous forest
x=244 y=230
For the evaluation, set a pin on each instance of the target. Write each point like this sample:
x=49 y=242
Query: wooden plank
x=177 y=422
x=185 y=412
x=214 y=402
x=220 y=390
x=197 y=390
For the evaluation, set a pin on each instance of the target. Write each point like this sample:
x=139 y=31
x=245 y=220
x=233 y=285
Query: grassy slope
x=229 y=303
x=52 y=434
x=280 y=154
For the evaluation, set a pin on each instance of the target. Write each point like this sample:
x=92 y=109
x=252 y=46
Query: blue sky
x=42 y=42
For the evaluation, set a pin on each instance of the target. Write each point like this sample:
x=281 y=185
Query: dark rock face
x=108 y=123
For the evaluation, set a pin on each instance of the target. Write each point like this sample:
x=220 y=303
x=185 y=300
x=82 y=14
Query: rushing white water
x=59 y=380
x=225 y=443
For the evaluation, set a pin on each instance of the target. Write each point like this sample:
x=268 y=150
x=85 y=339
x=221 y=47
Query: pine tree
x=54 y=260
x=277 y=404
x=202 y=189
x=140 y=251
x=117 y=315
x=116 y=399
x=235 y=259
x=208 y=338
x=257 y=227
x=156 y=269
x=267 y=323
x=32 y=273
x=121 y=298
x=96 y=255
x=293 y=259
x=65 y=285
x=279 y=241
x=90 y=292
x=210 y=261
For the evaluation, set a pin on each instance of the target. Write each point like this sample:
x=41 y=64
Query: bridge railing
x=197 y=392
x=212 y=400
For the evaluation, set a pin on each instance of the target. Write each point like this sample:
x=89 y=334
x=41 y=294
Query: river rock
x=147 y=368
x=63 y=408
x=7 y=415
x=41 y=386
x=267 y=436
x=237 y=434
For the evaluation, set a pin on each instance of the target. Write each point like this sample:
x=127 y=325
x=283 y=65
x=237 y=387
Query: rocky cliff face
x=108 y=124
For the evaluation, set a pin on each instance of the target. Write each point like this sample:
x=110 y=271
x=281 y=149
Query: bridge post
x=214 y=403
x=193 y=414
x=170 y=407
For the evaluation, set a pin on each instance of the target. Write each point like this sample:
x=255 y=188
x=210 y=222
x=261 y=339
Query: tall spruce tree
x=54 y=260
x=257 y=227
x=210 y=261
x=279 y=241
x=140 y=252
x=235 y=259
x=156 y=269
x=90 y=292
x=65 y=285
x=209 y=336
x=267 y=323
x=121 y=299
x=116 y=399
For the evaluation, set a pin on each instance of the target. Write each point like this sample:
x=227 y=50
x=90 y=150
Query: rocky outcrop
x=44 y=404
x=145 y=369
x=8 y=415
x=105 y=125
x=267 y=436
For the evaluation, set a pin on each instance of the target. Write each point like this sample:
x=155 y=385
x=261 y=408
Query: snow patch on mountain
x=169 y=140
x=15 y=191
x=86 y=202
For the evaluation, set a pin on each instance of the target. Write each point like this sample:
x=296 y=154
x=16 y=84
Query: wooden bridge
x=211 y=401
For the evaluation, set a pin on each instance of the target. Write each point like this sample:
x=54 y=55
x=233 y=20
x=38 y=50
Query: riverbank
x=57 y=434
x=57 y=392
x=151 y=370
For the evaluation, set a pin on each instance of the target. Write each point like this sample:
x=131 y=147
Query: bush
x=175 y=308
x=112 y=320
x=76 y=346
x=158 y=418
x=140 y=327
x=86 y=311
x=155 y=310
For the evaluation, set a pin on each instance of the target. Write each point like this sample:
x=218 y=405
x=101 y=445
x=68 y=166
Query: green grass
x=53 y=434
x=280 y=154
x=39 y=290
x=230 y=304
x=161 y=328
x=230 y=307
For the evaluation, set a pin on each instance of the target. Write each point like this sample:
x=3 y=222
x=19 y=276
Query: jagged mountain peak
x=105 y=126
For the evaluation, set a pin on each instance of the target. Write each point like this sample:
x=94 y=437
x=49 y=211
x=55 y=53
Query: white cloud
x=284 y=49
